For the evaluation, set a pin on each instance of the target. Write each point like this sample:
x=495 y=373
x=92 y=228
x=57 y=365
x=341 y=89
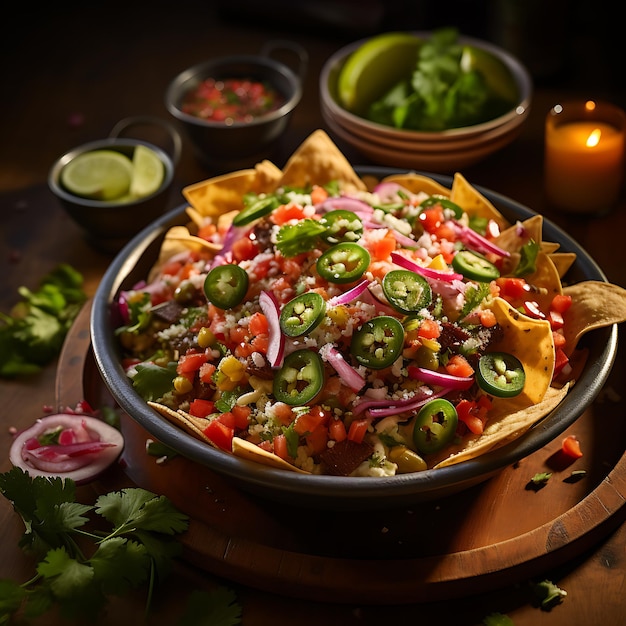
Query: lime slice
x=376 y=66
x=98 y=175
x=148 y=172
x=498 y=77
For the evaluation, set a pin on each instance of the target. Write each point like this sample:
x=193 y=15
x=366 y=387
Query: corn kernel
x=232 y=367
x=182 y=384
x=206 y=338
x=338 y=314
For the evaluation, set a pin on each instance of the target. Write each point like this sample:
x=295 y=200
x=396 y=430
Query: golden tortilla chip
x=595 y=304
x=246 y=450
x=416 y=183
x=562 y=261
x=179 y=418
x=474 y=202
x=318 y=161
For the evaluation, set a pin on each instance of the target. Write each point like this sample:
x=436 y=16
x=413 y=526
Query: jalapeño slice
x=435 y=426
x=378 y=342
x=257 y=209
x=407 y=291
x=343 y=263
x=445 y=202
x=225 y=286
x=500 y=374
x=300 y=378
x=341 y=225
x=474 y=266
x=302 y=314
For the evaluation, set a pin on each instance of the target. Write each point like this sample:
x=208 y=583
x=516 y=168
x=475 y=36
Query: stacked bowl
x=437 y=151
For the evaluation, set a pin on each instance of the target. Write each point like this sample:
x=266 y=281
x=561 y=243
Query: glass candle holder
x=584 y=156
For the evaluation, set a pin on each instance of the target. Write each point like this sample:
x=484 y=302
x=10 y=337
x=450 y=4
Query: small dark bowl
x=226 y=147
x=109 y=225
x=336 y=492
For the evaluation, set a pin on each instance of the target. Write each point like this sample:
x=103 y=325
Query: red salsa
x=231 y=100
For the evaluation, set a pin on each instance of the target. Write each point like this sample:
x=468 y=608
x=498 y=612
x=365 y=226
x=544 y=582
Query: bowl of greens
x=436 y=101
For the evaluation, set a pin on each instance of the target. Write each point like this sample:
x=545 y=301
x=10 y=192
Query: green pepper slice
x=474 y=266
x=500 y=374
x=435 y=426
x=378 y=342
x=300 y=378
x=341 y=225
x=225 y=286
x=257 y=209
x=407 y=291
x=302 y=314
x=445 y=202
x=343 y=263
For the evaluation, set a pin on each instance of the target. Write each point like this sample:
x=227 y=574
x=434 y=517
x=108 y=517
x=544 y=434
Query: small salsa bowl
x=231 y=145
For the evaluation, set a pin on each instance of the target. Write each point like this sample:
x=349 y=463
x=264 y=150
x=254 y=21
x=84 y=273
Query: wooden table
x=72 y=87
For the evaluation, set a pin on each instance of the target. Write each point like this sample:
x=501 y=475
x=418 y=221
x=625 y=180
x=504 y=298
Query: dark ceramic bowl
x=227 y=147
x=109 y=225
x=331 y=492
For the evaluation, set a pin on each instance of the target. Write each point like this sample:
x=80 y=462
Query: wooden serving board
x=489 y=536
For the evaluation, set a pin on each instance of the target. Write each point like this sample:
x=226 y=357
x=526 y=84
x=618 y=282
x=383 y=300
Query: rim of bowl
x=103 y=144
x=519 y=71
x=176 y=89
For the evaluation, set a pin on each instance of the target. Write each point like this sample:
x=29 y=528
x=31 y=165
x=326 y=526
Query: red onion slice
x=405 y=407
x=427 y=272
x=271 y=309
x=80 y=462
x=477 y=242
x=347 y=203
x=347 y=373
x=422 y=395
x=350 y=295
x=440 y=379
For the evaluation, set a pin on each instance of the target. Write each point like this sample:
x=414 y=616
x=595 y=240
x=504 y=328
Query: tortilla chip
x=530 y=340
x=246 y=450
x=474 y=202
x=562 y=261
x=503 y=428
x=416 y=183
x=318 y=161
x=179 y=418
x=595 y=304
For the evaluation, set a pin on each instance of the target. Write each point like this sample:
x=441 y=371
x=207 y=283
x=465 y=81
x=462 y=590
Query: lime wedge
x=498 y=77
x=148 y=172
x=373 y=68
x=98 y=175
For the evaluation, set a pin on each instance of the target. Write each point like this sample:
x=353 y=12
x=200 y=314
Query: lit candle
x=584 y=156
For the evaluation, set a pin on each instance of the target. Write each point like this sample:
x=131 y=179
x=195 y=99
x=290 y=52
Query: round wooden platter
x=489 y=536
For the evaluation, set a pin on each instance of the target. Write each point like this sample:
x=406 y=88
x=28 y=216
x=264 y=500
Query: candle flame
x=594 y=138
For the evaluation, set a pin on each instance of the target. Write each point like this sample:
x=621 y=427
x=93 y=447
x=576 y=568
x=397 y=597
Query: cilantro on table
x=33 y=333
x=548 y=593
x=137 y=548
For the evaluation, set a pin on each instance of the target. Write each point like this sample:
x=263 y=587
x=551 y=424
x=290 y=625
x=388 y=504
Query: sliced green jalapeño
x=343 y=263
x=500 y=374
x=435 y=426
x=300 y=378
x=341 y=225
x=378 y=342
x=302 y=314
x=474 y=266
x=407 y=291
x=255 y=210
x=444 y=202
x=225 y=286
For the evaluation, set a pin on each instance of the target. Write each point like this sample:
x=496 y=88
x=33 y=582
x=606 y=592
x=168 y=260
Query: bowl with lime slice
x=437 y=101
x=114 y=187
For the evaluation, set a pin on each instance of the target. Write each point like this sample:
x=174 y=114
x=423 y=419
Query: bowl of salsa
x=235 y=108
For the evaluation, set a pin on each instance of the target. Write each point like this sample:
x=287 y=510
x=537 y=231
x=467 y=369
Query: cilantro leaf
x=548 y=593
x=528 y=259
x=293 y=239
x=218 y=607
x=497 y=619
x=67 y=575
x=119 y=564
x=152 y=381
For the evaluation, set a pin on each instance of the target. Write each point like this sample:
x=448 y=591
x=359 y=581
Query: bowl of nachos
x=353 y=337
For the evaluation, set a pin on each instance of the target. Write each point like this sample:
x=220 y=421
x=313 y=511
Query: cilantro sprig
x=32 y=334
x=79 y=567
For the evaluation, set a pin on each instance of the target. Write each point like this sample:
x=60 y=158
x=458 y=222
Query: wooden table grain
x=69 y=76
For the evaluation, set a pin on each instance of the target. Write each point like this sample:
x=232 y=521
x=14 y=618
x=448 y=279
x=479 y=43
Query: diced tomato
x=561 y=303
x=380 y=249
x=241 y=415
x=445 y=231
x=318 y=194
x=260 y=343
x=228 y=419
x=431 y=218
x=467 y=412
x=283 y=413
x=172 y=268
x=244 y=249
x=337 y=430
x=258 y=324
x=457 y=365
x=191 y=362
x=512 y=287
x=429 y=329
x=207 y=231
x=571 y=447
x=220 y=434
x=206 y=372
x=556 y=319
x=287 y=212
x=237 y=334
x=280 y=447
x=201 y=408
x=317 y=439
x=308 y=422
x=487 y=318
x=357 y=430
x=560 y=362
x=559 y=340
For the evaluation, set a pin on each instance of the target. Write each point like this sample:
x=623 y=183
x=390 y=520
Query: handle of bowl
x=146 y=120
x=284 y=44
